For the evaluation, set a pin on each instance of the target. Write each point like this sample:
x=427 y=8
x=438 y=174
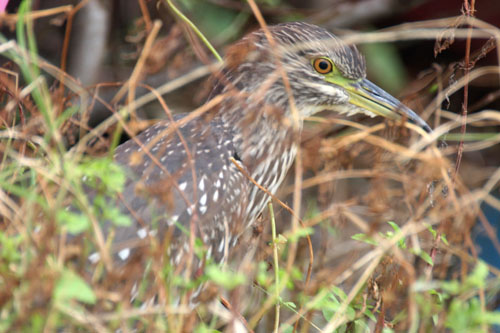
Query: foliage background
x=401 y=241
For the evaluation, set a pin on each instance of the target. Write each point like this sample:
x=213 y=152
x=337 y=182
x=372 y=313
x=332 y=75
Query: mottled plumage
x=191 y=181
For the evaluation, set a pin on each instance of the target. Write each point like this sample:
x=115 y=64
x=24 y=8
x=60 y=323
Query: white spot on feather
x=123 y=254
x=142 y=233
x=203 y=199
x=94 y=257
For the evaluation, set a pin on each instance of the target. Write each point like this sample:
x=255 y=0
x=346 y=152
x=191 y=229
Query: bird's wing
x=179 y=180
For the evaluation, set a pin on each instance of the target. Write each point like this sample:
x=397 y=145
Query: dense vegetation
x=397 y=227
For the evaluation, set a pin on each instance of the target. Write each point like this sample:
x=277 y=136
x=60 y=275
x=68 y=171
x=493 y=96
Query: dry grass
x=349 y=182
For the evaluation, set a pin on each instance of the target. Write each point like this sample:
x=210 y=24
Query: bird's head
x=323 y=72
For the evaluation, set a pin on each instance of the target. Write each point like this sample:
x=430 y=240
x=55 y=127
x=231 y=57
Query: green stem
x=276 y=268
x=195 y=29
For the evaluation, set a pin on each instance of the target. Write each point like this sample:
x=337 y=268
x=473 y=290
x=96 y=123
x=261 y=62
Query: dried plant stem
x=469 y=12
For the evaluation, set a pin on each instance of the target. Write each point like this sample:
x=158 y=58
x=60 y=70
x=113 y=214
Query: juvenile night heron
x=182 y=178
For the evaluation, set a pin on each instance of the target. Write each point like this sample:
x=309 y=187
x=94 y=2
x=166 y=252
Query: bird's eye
x=322 y=65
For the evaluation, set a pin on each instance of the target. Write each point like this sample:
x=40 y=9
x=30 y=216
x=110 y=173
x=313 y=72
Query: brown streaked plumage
x=252 y=125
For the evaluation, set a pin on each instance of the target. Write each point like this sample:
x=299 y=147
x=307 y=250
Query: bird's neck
x=265 y=138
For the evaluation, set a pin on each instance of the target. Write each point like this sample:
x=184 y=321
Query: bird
x=191 y=177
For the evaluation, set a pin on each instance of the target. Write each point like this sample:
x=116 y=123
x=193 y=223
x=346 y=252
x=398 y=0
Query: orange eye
x=322 y=65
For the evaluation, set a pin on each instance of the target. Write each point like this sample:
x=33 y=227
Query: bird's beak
x=366 y=95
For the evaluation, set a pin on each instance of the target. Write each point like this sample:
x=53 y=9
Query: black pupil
x=323 y=65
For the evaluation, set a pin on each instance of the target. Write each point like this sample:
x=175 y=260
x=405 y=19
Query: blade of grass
x=276 y=268
x=195 y=29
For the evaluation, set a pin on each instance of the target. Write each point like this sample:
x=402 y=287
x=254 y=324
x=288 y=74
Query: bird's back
x=180 y=179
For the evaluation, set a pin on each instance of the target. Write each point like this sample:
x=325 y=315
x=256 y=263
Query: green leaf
x=339 y=292
x=203 y=328
x=433 y=88
x=300 y=233
x=432 y=231
x=116 y=217
x=332 y=304
x=224 y=278
x=9 y=246
x=370 y=315
x=423 y=255
x=397 y=229
x=444 y=239
x=478 y=276
x=286 y=328
x=70 y=286
x=361 y=326
x=364 y=238
x=263 y=277
x=491 y=318
x=426 y=257
x=37 y=322
x=102 y=173
x=394 y=226
x=437 y=294
x=75 y=223
x=435 y=319
x=280 y=239
x=451 y=287
x=464 y=316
